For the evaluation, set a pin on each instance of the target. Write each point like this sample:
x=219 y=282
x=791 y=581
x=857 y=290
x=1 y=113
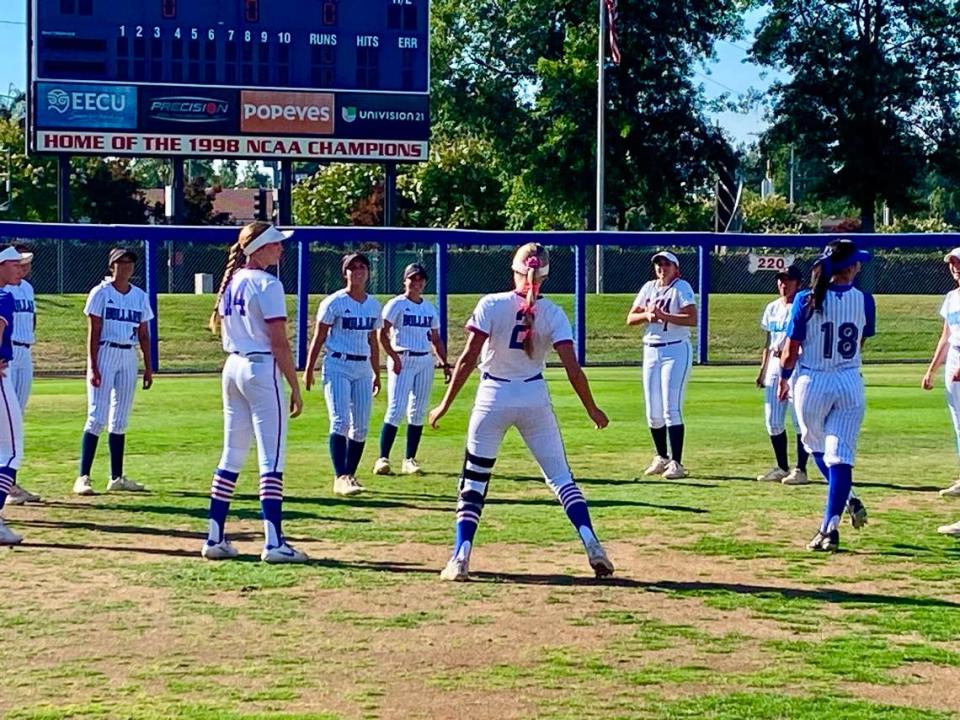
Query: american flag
x=612 y=17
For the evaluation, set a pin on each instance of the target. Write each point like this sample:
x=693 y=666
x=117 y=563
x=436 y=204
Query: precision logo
x=190 y=109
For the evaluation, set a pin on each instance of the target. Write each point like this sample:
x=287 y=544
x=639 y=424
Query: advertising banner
x=177 y=109
x=75 y=105
x=367 y=115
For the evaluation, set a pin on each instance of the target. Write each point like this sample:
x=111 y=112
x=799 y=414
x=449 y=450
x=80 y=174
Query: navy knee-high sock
x=802 y=455
x=8 y=478
x=841 y=481
x=354 y=453
x=676 y=442
x=414 y=433
x=338 y=453
x=116 y=442
x=779 y=443
x=388 y=434
x=660 y=440
x=88 y=450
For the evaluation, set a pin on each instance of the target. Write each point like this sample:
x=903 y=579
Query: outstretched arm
x=280 y=347
x=578 y=380
x=938 y=356
x=461 y=372
x=319 y=338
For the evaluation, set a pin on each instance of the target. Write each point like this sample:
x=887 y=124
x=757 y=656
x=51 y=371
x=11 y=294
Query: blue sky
x=730 y=74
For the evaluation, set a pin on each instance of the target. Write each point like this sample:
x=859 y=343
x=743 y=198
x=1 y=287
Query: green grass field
x=716 y=610
x=908 y=328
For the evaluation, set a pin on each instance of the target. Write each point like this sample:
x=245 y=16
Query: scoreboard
x=307 y=79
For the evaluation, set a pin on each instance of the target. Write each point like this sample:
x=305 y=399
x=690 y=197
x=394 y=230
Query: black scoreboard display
x=317 y=79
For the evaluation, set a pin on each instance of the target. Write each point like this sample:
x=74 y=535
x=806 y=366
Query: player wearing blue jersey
x=774 y=321
x=411 y=327
x=251 y=315
x=118 y=320
x=510 y=333
x=827 y=329
x=11 y=421
x=347 y=322
x=667 y=307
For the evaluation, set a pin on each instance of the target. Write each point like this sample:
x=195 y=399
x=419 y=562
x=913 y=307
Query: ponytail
x=819 y=282
x=528 y=317
x=235 y=260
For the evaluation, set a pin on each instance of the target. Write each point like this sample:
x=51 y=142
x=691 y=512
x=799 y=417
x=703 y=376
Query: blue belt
x=346 y=356
x=248 y=354
x=20 y=344
x=488 y=376
x=413 y=353
x=116 y=345
x=659 y=345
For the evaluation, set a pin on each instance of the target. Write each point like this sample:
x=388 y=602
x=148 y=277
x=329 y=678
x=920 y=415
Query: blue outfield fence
x=470 y=263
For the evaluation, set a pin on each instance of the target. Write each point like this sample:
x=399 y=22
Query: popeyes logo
x=286 y=112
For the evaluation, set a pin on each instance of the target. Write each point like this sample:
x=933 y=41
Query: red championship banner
x=94 y=142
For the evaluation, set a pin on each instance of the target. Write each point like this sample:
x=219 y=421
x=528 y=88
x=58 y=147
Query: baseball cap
x=350 y=257
x=666 y=255
x=791 y=273
x=955 y=253
x=415 y=269
x=119 y=253
x=11 y=254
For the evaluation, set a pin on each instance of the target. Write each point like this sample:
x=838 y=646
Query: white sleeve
x=685 y=295
x=95 y=302
x=641 y=300
x=945 y=307
x=392 y=311
x=435 y=321
x=376 y=313
x=765 y=319
x=561 y=330
x=480 y=319
x=273 y=304
x=325 y=312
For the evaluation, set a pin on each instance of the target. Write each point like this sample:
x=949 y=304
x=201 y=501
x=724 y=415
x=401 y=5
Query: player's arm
x=440 y=350
x=764 y=359
x=375 y=360
x=578 y=380
x=639 y=316
x=687 y=316
x=939 y=355
x=143 y=337
x=94 y=329
x=280 y=347
x=316 y=344
x=461 y=371
x=388 y=346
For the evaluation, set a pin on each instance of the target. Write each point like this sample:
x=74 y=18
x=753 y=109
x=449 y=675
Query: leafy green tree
x=33 y=180
x=330 y=196
x=106 y=191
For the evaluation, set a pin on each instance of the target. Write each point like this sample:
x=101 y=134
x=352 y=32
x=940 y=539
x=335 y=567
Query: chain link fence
x=909 y=283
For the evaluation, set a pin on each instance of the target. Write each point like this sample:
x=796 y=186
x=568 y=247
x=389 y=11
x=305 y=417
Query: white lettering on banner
x=106 y=143
x=323 y=39
x=777 y=263
x=311 y=113
x=407 y=42
x=368 y=41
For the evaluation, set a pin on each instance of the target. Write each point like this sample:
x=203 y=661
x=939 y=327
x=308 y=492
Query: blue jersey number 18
x=847 y=336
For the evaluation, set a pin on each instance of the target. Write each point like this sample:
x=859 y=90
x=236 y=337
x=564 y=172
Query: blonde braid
x=235 y=260
x=528 y=316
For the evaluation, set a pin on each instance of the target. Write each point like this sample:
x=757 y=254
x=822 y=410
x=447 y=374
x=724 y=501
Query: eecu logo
x=62 y=101
x=190 y=109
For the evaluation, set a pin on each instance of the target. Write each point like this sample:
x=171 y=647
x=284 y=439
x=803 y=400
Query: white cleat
x=953 y=529
x=773 y=475
x=952 y=491
x=657 y=466
x=347 y=485
x=458 y=566
x=83 y=486
x=382 y=467
x=283 y=554
x=674 y=471
x=124 y=484
x=20 y=496
x=796 y=477
x=223 y=550
x=411 y=467
x=8 y=536
x=602 y=567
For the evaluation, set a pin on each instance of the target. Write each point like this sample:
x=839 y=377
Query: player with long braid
x=411 y=325
x=251 y=314
x=511 y=333
x=347 y=321
x=827 y=329
x=11 y=421
x=118 y=320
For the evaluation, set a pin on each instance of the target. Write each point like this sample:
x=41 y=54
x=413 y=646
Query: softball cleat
x=773 y=475
x=83 y=486
x=458 y=566
x=8 y=536
x=796 y=477
x=223 y=550
x=124 y=484
x=657 y=466
x=411 y=467
x=597 y=557
x=283 y=554
x=953 y=529
x=825 y=542
x=347 y=486
x=952 y=491
x=674 y=471
x=382 y=467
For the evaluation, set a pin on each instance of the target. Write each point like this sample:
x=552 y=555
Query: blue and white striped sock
x=221 y=493
x=8 y=478
x=271 y=505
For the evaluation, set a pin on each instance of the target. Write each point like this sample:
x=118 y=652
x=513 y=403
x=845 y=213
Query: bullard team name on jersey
x=24 y=306
x=123 y=315
x=422 y=321
x=358 y=323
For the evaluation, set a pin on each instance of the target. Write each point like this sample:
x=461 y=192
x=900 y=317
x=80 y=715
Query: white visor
x=668 y=256
x=955 y=253
x=267 y=237
x=542 y=271
x=11 y=254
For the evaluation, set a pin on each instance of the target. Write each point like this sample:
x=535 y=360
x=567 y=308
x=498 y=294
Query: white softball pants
x=109 y=405
x=830 y=407
x=953 y=391
x=410 y=390
x=775 y=410
x=254 y=407
x=666 y=371
x=11 y=426
x=20 y=373
x=348 y=391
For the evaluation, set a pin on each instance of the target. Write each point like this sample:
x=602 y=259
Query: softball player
x=20 y=370
x=11 y=421
x=668 y=308
x=347 y=321
x=118 y=316
x=511 y=333
x=828 y=326
x=410 y=326
x=251 y=313
x=774 y=321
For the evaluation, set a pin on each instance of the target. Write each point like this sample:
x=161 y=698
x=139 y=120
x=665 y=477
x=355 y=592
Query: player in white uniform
x=347 y=321
x=948 y=348
x=774 y=321
x=511 y=333
x=251 y=314
x=11 y=421
x=118 y=319
x=411 y=325
x=667 y=307
x=20 y=371
x=827 y=329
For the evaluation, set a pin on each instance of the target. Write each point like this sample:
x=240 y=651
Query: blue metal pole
x=580 y=300
x=150 y=263
x=442 y=288
x=703 y=309
x=303 y=301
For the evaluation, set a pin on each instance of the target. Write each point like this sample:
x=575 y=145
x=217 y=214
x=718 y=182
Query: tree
x=331 y=195
x=106 y=191
x=873 y=93
x=33 y=180
x=198 y=204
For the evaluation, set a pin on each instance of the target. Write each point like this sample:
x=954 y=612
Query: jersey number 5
x=847 y=336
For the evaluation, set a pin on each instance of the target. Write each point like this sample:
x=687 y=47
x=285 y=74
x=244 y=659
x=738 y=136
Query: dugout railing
x=593 y=275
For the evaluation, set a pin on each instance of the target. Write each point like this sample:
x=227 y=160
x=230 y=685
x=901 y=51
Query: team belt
x=413 y=353
x=346 y=356
x=20 y=344
x=248 y=354
x=488 y=376
x=659 y=345
x=116 y=345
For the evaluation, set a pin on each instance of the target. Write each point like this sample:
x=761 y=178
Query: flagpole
x=601 y=140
